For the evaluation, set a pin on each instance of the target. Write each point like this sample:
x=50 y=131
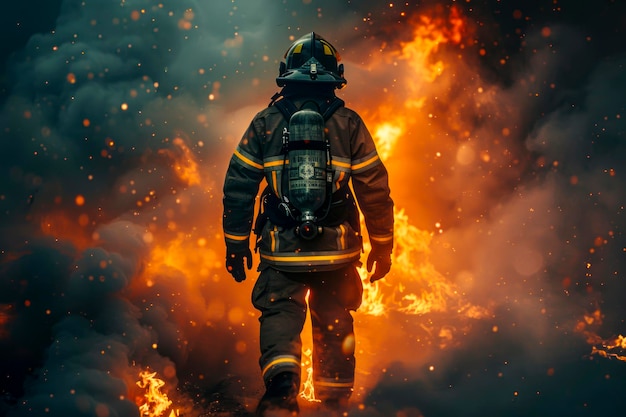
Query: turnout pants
x=280 y=297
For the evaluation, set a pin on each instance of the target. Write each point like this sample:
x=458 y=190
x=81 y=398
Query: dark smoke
x=537 y=233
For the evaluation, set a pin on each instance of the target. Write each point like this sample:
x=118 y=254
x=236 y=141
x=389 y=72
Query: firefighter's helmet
x=311 y=59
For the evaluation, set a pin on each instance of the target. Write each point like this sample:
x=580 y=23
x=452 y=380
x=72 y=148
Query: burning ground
x=502 y=128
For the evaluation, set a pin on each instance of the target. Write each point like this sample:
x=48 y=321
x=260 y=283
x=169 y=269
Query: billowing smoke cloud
x=117 y=128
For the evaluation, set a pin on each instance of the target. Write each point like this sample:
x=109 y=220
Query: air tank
x=307 y=156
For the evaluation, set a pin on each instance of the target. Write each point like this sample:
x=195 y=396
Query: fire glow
x=422 y=289
x=415 y=287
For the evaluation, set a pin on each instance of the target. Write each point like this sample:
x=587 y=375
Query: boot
x=281 y=396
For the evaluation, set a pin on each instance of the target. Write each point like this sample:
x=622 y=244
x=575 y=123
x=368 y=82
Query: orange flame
x=429 y=34
x=307 y=391
x=184 y=163
x=155 y=402
x=423 y=69
x=610 y=348
x=607 y=346
x=183 y=252
x=421 y=289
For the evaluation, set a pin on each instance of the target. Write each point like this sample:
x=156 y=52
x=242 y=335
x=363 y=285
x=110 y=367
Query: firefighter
x=309 y=148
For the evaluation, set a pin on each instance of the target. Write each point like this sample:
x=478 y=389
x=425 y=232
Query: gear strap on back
x=288 y=108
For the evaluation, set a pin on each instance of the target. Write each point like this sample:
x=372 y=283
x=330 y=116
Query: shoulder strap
x=329 y=108
x=287 y=108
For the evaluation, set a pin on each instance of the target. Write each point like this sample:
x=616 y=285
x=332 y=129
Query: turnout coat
x=260 y=156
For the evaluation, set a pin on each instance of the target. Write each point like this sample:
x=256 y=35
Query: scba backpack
x=308 y=228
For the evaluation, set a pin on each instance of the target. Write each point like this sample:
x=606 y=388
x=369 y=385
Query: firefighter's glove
x=381 y=256
x=234 y=260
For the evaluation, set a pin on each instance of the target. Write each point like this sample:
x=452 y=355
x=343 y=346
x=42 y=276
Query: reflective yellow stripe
x=248 y=161
x=298 y=258
x=298 y=48
x=342 y=164
x=338 y=182
x=281 y=360
x=275 y=182
x=334 y=384
x=273 y=239
x=272 y=164
x=328 y=48
x=235 y=237
x=366 y=163
x=381 y=239
x=342 y=236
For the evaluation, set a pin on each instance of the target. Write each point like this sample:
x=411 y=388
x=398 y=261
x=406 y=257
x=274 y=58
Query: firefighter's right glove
x=381 y=256
x=234 y=260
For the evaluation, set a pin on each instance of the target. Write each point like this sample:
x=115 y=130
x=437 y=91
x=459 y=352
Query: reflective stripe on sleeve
x=366 y=164
x=237 y=238
x=382 y=239
x=341 y=164
x=246 y=160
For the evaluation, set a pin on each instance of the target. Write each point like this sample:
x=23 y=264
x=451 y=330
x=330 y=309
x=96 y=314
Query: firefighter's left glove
x=381 y=256
x=234 y=260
